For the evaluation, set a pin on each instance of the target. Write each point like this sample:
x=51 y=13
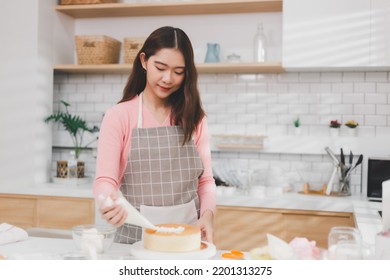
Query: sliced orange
x=233 y=254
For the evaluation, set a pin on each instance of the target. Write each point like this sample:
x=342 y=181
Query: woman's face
x=165 y=72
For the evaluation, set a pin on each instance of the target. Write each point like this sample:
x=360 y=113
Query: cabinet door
x=380 y=33
x=18 y=211
x=313 y=226
x=245 y=228
x=321 y=34
x=64 y=213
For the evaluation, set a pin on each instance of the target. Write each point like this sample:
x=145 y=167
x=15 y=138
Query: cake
x=172 y=238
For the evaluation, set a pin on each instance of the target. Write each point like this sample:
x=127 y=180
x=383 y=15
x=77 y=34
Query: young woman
x=154 y=144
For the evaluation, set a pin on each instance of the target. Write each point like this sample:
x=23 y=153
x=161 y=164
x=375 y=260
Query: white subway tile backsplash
x=342 y=87
x=237 y=108
x=247 y=98
x=376 y=98
x=85 y=88
x=299 y=88
x=332 y=77
x=342 y=109
x=94 y=78
x=310 y=77
x=236 y=88
x=353 y=76
x=364 y=109
x=66 y=88
x=289 y=78
x=375 y=120
x=257 y=104
x=298 y=109
x=112 y=78
x=353 y=98
x=277 y=88
x=330 y=98
x=78 y=78
x=383 y=87
x=320 y=87
x=246 y=78
x=364 y=87
x=376 y=76
x=257 y=88
x=216 y=88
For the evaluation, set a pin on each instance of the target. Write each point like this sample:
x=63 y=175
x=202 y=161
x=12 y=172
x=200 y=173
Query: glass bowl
x=93 y=239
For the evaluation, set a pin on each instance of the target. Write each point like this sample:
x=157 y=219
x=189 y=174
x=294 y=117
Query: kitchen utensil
x=134 y=217
x=345 y=179
x=332 y=155
x=350 y=158
x=359 y=161
x=342 y=157
x=330 y=183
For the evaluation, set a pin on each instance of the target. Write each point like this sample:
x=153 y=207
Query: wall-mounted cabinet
x=334 y=34
x=92 y=15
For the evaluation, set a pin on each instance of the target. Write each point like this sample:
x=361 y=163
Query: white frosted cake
x=172 y=238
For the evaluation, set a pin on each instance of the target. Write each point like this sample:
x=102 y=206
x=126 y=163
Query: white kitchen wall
x=26 y=83
x=259 y=104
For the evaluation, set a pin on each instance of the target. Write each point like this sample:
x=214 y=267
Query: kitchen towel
x=10 y=234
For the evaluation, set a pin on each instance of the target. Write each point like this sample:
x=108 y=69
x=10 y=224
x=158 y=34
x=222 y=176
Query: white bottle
x=72 y=165
x=260 y=44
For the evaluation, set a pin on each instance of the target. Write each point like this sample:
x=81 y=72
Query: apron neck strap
x=139 y=125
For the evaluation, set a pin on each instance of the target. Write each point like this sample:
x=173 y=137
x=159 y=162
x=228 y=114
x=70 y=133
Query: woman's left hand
x=206 y=224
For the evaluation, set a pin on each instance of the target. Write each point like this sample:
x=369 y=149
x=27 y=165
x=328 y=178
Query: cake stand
x=206 y=251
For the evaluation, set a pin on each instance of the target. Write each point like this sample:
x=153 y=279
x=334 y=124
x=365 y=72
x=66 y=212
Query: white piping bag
x=134 y=217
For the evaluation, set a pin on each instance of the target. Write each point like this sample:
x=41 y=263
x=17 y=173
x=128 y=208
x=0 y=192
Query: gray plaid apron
x=161 y=178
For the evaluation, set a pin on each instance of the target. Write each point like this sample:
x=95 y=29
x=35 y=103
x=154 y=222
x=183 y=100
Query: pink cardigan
x=115 y=142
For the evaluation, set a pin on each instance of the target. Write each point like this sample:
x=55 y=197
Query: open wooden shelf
x=170 y=8
x=239 y=68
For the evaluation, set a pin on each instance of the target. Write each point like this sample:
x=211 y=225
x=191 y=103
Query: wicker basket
x=131 y=47
x=78 y=2
x=97 y=50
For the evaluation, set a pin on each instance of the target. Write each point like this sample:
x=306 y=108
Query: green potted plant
x=76 y=126
x=297 y=126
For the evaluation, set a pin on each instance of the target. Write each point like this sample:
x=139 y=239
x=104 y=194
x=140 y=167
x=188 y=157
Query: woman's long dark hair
x=187 y=111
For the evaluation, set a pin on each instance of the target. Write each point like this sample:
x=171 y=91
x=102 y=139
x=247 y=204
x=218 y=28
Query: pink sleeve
x=206 y=189
x=110 y=148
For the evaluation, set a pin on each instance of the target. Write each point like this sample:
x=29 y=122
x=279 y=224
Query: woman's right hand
x=114 y=214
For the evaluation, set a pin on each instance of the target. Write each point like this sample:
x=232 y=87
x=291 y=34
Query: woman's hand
x=114 y=214
x=205 y=223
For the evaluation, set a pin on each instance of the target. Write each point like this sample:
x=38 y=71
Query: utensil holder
x=344 y=188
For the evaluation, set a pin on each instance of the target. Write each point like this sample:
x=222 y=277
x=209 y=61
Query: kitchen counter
x=366 y=213
x=40 y=248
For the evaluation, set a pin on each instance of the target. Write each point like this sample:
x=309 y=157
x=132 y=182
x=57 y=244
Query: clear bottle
x=260 y=44
x=72 y=165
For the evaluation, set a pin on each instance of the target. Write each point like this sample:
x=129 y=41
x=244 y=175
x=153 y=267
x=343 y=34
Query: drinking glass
x=345 y=243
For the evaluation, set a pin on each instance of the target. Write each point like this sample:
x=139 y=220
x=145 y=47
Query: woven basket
x=78 y=2
x=131 y=47
x=97 y=50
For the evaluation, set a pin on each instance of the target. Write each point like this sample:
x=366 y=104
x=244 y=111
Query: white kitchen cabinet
x=326 y=34
x=380 y=33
